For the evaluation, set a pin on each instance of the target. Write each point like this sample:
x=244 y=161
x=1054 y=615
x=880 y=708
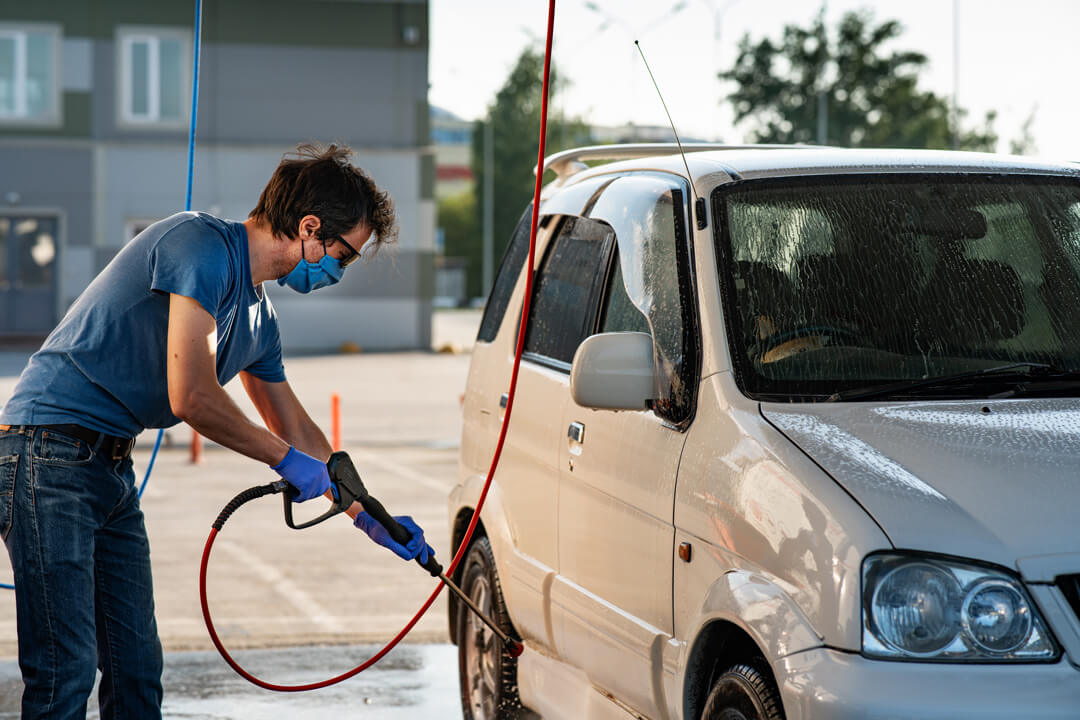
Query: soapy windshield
x=834 y=284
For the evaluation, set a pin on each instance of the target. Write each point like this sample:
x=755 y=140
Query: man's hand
x=308 y=475
x=416 y=547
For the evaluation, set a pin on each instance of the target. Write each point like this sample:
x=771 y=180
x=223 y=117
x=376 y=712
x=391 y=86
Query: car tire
x=742 y=692
x=487 y=674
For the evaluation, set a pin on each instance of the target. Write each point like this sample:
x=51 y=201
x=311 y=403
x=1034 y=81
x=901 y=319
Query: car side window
x=620 y=315
x=567 y=290
x=509 y=270
x=652 y=285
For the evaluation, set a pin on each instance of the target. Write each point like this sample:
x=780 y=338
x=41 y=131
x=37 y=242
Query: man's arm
x=286 y=417
x=195 y=395
x=282 y=412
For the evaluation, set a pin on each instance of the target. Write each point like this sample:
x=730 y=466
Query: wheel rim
x=481 y=654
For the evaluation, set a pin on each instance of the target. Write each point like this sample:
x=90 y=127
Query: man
x=177 y=313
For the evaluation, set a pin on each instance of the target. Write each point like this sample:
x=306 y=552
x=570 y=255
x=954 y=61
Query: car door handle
x=576 y=432
x=503 y=400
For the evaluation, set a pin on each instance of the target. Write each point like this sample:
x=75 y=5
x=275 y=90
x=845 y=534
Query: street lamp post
x=719 y=8
x=822 y=97
x=488 y=238
x=956 y=75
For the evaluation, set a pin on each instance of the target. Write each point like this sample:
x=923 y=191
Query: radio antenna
x=699 y=202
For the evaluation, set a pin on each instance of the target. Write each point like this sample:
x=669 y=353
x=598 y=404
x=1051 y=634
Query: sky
x=1018 y=58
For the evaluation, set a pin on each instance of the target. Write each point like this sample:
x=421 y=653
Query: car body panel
x=530 y=457
x=615 y=507
x=948 y=477
x=526 y=582
x=825 y=683
x=557 y=690
x=519 y=517
x=612 y=600
x=714 y=349
x=621 y=655
x=757 y=504
x=1061 y=618
x=752 y=164
x=753 y=603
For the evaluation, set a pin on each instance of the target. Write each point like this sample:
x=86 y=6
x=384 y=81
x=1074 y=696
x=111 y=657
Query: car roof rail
x=569 y=162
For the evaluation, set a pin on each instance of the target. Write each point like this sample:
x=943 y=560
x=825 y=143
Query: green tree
x=457 y=219
x=1025 y=144
x=871 y=91
x=515 y=123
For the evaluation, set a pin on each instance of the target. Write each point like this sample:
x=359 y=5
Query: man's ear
x=309 y=227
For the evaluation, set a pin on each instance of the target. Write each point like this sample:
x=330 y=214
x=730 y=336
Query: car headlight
x=921 y=607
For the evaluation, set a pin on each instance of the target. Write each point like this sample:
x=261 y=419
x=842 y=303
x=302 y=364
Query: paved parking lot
x=413 y=681
x=271 y=586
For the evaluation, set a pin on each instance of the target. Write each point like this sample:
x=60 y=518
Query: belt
x=114 y=446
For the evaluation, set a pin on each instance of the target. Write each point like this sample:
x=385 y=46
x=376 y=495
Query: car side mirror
x=614 y=371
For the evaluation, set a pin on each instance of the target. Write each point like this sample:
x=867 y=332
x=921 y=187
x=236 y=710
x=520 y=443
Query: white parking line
x=363 y=456
x=308 y=606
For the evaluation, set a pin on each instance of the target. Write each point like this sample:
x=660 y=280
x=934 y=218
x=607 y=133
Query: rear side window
x=509 y=270
x=568 y=289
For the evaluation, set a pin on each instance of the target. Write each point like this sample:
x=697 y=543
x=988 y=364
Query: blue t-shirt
x=103 y=367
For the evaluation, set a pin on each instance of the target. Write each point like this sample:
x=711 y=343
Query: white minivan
x=796 y=435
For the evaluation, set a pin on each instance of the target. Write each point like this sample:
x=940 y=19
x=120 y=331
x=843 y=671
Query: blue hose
x=153 y=457
x=190 y=182
x=194 y=105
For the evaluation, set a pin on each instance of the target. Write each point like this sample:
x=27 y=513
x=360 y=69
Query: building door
x=28 y=254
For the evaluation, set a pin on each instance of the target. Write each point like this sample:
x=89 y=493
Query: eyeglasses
x=348 y=259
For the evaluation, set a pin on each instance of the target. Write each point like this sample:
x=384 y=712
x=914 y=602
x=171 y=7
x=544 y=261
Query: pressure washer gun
x=347 y=488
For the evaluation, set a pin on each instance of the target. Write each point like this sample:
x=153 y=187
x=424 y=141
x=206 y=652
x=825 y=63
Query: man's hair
x=320 y=181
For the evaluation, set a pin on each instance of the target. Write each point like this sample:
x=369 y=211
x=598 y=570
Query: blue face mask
x=308 y=276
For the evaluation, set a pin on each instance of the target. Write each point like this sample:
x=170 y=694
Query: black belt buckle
x=117 y=448
x=121 y=447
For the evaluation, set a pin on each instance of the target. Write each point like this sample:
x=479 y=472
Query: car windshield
x=833 y=284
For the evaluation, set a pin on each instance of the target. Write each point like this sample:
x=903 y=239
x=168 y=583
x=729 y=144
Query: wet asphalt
x=413 y=681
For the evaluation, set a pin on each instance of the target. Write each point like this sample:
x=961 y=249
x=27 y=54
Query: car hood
x=992 y=480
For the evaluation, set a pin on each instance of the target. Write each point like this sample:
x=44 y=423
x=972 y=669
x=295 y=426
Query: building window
x=29 y=62
x=154 y=76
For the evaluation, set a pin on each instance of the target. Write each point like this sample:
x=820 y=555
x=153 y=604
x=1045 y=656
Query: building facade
x=94 y=110
x=451 y=139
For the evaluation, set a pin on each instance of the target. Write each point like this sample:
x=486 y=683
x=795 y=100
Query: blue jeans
x=84 y=599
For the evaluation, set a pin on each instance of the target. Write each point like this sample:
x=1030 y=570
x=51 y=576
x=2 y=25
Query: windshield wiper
x=1029 y=370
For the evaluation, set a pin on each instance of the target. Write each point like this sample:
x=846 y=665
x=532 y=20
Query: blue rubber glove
x=308 y=475
x=416 y=548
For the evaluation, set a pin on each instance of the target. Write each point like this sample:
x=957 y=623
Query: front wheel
x=742 y=692
x=487 y=674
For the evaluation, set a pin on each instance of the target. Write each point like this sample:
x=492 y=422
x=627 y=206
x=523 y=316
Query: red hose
x=494 y=460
